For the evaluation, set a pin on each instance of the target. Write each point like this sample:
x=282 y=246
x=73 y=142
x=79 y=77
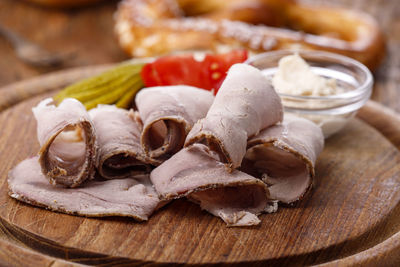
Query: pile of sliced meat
x=234 y=154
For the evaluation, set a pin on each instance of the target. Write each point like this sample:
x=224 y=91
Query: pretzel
x=148 y=28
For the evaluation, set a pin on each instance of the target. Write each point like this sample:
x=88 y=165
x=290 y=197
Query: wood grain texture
x=383 y=254
x=14 y=93
x=87 y=33
x=388 y=124
x=13 y=255
x=353 y=207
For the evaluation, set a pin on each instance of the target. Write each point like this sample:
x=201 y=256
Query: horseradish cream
x=295 y=77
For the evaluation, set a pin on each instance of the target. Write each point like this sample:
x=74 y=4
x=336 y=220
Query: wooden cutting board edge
x=14 y=255
x=386 y=121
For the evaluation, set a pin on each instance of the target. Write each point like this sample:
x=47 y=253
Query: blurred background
x=84 y=36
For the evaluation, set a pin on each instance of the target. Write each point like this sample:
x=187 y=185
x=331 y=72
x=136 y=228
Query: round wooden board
x=353 y=207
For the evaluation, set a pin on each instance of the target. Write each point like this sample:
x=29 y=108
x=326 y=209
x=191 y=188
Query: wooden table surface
x=86 y=34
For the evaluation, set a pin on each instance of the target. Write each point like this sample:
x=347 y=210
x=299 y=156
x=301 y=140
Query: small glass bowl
x=330 y=112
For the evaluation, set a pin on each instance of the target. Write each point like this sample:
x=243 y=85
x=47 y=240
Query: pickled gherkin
x=116 y=86
x=126 y=100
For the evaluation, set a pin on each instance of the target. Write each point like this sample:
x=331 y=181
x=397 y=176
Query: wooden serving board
x=352 y=215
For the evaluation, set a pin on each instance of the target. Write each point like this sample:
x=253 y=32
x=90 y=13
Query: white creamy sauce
x=295 y=77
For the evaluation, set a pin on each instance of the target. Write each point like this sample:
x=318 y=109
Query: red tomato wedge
x=208 y=73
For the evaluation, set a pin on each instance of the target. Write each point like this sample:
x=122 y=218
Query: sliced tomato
x=208 y=73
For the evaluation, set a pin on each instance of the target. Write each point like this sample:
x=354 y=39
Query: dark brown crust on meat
x=214 y=186
x=214 y=144
x=157 y=156
x=276 y=143
x=61 y=210
x=126 y=153
x=88 y=168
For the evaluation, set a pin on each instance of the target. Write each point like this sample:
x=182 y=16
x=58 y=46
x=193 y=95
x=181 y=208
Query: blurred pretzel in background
x=148 y=28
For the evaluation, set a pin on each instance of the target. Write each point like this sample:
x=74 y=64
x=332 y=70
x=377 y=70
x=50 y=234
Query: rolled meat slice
x=168 y=114
x=68 y=142
x=283 y=156
x=120 y=154
x=196 y=173
x=245 y=104
x=118 y=197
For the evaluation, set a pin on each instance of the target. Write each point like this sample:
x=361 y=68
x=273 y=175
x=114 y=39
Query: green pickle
x=126 y=100
x=111 y=97
x=116 y=86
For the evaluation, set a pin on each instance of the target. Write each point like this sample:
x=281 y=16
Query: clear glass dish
x=331 y=112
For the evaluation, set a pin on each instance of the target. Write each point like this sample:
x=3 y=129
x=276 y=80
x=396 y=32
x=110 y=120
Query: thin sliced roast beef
x=283 y=156
x=245 y=104
x=68 y=142
x=195 y=172
x=168 y=114
x=118 y=137
x=118 y=197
